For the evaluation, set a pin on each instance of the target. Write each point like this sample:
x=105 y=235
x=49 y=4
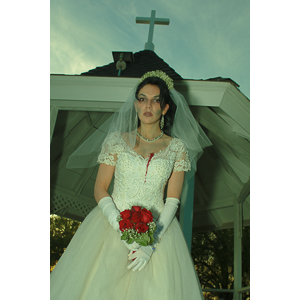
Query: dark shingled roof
x=144 y=61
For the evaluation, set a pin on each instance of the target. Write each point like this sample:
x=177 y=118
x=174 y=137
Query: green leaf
x=151 y=240
x=124 y=235
x=147 y=238
x=130 y=241
x=142 y=242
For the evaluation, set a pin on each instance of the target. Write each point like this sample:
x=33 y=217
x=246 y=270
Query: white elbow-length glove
x=166 y=217
x=109 y=209
x=142 y=256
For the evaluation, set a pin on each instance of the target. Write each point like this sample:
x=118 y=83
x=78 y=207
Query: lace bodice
x=138 y=180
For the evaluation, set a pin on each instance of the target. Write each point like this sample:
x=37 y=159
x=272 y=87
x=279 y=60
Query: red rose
x=136 y=214
x=136 y=217
x=125 y=224
x=146 y=216
x=141 y=227
x=125 y=214
x=136 y=208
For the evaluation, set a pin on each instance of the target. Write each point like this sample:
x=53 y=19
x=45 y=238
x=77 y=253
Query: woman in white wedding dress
x=146 y=164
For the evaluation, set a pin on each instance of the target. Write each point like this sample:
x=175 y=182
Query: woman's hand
x=131 y=247
x=140 y=258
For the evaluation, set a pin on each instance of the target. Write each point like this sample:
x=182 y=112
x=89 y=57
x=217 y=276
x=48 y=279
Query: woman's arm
x=103 y=180
x=142 y=256
x=175 y=185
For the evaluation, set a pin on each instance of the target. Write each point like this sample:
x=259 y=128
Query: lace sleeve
x=109 y=150
x=182 y=162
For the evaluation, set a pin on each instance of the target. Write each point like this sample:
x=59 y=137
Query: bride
x=146 y=149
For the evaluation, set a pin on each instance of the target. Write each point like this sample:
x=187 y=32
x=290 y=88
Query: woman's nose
x=148 y=103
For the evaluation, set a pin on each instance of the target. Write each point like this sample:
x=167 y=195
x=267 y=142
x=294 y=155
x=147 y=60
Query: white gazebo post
x=238 y=231
x=186 y=211
x=53 y=116
x=152 y=21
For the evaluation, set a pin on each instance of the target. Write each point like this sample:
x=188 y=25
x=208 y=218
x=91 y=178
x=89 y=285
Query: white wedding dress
x=94 y=265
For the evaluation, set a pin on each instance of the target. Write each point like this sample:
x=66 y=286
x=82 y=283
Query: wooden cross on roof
x=152 y=21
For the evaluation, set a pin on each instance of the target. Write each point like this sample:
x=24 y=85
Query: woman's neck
x=149 y=131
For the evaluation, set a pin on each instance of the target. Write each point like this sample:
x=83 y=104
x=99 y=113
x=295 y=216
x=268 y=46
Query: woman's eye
x=141 y=99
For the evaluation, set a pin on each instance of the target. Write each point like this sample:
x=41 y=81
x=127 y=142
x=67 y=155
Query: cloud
x=204 y=39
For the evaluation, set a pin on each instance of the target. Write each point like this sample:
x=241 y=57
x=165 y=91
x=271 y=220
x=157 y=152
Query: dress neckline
x=141 y=156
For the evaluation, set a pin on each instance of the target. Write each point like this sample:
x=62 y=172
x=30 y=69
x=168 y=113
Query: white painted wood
x=68 y=193
x=101 y=106
x=53 y=116
x=244 y=193
x=71 y=142
x=216 y=218
x=234 y=126
x=238 y=229
x=221 y=129
x=90 y=88
x=186 y=211
x=116 y=89
x=215 y=205
x=80 y=183
x=237 y=106
x=202 y=196
x=201 y=93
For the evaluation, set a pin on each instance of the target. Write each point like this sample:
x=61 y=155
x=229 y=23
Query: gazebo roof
x=143 y=62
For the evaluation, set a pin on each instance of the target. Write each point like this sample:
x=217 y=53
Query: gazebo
x=218 y=197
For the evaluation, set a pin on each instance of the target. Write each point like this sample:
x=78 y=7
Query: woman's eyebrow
x=146 y=96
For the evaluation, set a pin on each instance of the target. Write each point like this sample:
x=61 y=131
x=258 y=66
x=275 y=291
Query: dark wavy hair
x=164 y=98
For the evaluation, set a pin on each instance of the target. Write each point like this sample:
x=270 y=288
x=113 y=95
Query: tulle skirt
x=94 y=266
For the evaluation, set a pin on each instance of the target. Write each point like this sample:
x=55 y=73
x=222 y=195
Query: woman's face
x=148 y=104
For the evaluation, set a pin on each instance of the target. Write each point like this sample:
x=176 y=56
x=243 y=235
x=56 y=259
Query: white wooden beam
x=215 y=205
x=71 y=143
x=186 y=211
x=232 y=123
x=244 y=193
x=53 y=117
x=200 y=194
x=233 y=181
x=86 y=105
x=238 y=229
x=116 y=89
x=201 y=93
x=221 y=129
x=90 y=88
x=84 y=177
x=216 y=218
x=237 y=106
x=233 y=160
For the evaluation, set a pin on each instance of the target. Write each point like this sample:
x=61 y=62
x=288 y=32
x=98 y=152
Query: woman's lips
x=148 y=114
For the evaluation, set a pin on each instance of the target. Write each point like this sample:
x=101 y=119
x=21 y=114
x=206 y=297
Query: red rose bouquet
x=137 y=226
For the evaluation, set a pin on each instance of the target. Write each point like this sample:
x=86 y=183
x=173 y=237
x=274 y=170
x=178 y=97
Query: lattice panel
x=60 y=202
